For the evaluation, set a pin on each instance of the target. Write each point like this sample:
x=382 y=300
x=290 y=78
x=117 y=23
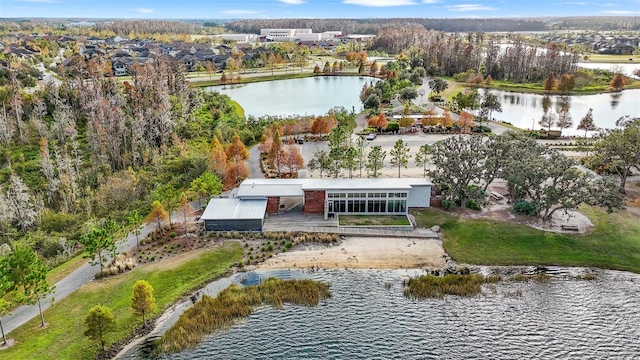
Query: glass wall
x=344 y=202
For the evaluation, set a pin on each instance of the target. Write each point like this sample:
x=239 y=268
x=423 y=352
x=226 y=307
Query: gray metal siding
x=230 y=225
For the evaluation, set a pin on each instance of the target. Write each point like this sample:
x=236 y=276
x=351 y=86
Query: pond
x=367 y=317
x=525 y=110
x=306 y=96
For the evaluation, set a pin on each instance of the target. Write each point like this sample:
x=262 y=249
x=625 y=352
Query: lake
x=525 y=110
x=306 y=96
x=367 y=317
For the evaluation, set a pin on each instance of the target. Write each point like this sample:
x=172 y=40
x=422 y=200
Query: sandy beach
x=364 y=253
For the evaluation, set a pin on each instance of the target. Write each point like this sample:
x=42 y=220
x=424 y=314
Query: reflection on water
x=307 y=96
x=367 y=317
x=523 y=110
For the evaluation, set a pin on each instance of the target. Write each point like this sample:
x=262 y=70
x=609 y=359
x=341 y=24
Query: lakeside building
x=246 y=209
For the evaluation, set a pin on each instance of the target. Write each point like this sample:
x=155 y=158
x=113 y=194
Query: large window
x=373 y=202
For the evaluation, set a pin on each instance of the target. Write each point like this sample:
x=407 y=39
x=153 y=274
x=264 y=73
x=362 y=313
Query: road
x=72 y=282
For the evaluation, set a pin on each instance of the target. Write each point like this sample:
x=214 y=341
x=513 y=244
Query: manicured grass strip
x=431 y=286
x=234 y=303
x=171 y=279
x=237 y=108
x=372 y=220
x=614 y=243
x=61 y=271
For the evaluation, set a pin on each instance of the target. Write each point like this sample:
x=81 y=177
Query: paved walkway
x=72 y=282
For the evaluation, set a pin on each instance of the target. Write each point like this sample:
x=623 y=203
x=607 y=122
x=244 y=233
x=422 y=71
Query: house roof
x=257 y=188
x=234 y=209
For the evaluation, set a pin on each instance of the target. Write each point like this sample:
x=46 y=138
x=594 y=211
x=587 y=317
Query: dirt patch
x=364 y=253
x=10 y=343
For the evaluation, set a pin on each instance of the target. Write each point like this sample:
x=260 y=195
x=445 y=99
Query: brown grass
x=210 y=315
x=431 y=286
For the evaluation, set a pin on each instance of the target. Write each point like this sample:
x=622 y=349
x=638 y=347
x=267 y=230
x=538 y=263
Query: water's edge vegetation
x=210 y=315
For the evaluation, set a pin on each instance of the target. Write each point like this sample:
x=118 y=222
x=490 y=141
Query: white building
x=241 y=38
x=297 y=35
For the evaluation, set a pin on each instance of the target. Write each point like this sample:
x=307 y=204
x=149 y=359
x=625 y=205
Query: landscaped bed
x=373 y=220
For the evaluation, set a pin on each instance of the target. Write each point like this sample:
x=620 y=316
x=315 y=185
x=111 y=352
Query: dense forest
x=93 y=149
x=373 y=26
x=449 y=54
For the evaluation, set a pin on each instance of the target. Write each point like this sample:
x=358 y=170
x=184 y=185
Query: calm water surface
x=525 y=110
x=307 y=96
x=367 y=317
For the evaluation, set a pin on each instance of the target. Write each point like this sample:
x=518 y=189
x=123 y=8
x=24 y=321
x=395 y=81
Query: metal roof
x=234 y=209
x=250 y=188
x=256 y=188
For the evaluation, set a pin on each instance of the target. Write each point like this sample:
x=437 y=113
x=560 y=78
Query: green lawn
x=602 y=58
x=59 y=272
x=171 y=279
x=373 y=220
x=614 y=243
x=237 y=108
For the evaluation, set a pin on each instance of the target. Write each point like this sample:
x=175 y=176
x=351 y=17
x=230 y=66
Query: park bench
x=569 y=227
x=495 y=195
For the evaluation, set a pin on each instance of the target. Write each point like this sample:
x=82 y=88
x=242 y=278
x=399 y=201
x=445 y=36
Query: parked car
x=371 y=137
x=299 y=141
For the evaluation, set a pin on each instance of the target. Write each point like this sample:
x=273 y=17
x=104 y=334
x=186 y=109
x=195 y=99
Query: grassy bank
x=171 y=279
x=616 y=59
x=252 y=79
x=237 y=108
x=234 y=303
x=368 y=220
x=539 y=89
x=431 y=286
x=614 y=242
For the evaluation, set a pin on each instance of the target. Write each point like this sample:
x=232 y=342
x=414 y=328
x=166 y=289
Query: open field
x=601 y=58
x=614 y=242
x=171 y=279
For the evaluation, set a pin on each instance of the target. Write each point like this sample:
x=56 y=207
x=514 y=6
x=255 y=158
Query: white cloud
x=292 y=2
x=41 y=1
x=622 y=12
x=470 y=7
x=239 y=12
x=144 y=10
x=430 y=1
x=379 y=3
x=575 y=3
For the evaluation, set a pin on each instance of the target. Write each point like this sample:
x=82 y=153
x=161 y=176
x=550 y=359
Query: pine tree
x=158 y=214
x=99 y=322
x=142 y=301
x=400 y=155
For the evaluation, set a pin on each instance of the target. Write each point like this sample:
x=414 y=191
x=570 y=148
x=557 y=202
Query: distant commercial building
x=241 y=38
x=257 y=197
x=296 y=35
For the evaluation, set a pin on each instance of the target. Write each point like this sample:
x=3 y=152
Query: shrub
x=270 y=248
x=473 y=205
x=288 y=245
x=448 y=204
x=523 y=207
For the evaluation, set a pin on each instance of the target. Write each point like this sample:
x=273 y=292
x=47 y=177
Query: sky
x=274 y=9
